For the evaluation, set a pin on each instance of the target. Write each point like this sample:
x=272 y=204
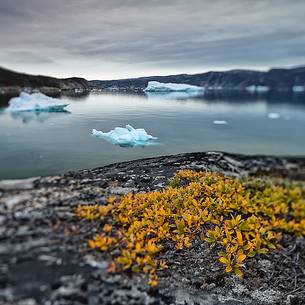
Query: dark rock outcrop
x=274 y=79
x=45 y=260
x=13 y=82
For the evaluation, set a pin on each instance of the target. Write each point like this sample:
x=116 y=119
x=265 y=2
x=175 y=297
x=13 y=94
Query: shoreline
x=44 y=255
x=279 y=159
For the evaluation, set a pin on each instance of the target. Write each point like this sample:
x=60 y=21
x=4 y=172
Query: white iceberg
x=297 y=89
x=35 y=102
x=127 y=137
x=273 y=115
x=219 y=122
x=154 y=86
x=258 y=88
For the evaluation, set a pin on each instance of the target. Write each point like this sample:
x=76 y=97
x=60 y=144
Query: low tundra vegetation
x=243 y=218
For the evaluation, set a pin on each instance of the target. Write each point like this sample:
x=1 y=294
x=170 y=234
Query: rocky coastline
x=273 y=81
x=255 y=82
x=45 y=259
x=13 y=83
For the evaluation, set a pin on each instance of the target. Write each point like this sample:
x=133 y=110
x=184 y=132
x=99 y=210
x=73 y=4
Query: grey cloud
x=25 y=57
x=147 y=35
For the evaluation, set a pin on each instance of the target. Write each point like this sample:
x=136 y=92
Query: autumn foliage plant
x=243 y=218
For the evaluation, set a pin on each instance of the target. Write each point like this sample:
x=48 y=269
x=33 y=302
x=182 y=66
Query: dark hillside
x=14 y=81
x=275 y=79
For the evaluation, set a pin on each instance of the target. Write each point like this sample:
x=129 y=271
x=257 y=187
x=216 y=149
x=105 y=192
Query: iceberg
x=258 y=88
x=297 y=89
x=154 y=86
x=273 y=115
x=35 y=102
x=125 y=137
x=218 y=122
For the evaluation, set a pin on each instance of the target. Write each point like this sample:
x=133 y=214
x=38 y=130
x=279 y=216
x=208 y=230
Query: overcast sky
x=107 y=39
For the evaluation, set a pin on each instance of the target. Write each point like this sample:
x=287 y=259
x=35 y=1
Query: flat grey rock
x=18 y=184
x=44 y=258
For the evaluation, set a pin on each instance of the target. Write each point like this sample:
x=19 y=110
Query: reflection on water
x=40 y=143
x=174 y=95
x=269 y=97
x=27 y=117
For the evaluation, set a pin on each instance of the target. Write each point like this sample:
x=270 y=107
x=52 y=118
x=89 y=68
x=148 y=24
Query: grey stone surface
x=44 y=257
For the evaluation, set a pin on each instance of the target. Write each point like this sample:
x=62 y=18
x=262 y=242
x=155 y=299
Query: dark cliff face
x=275 y=79
x=11 y=79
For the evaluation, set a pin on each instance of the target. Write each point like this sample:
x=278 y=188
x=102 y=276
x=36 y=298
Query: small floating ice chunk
x=128 y=137
x=297 y=89
x=154 y=86
x=219 y=122
x=35 y=102
x=273 y=115
x=257 y=88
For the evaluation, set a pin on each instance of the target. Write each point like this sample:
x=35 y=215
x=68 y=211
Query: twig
x=295 y=290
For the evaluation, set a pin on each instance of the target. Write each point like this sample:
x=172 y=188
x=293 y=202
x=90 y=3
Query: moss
x=243 y=217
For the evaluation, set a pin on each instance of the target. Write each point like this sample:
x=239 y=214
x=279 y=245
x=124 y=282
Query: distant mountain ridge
x=12 y=82
x=275 y=80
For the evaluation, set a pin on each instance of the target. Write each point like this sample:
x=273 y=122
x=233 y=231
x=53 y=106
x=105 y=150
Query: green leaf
x=224 y=261
x=238 y=272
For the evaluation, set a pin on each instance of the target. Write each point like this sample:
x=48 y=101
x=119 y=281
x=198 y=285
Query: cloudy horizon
x=99 y=39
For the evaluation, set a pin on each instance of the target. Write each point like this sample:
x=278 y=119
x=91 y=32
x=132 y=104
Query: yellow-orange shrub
x=243 y=217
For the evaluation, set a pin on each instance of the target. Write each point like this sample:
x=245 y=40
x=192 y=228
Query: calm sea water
x=37 y=144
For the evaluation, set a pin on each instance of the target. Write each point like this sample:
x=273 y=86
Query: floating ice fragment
x=273 y=115
x=297 y=89
x=217 y=122
x=35 y=102
x=154 y=86
x=127 y=137
x=258 y=88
